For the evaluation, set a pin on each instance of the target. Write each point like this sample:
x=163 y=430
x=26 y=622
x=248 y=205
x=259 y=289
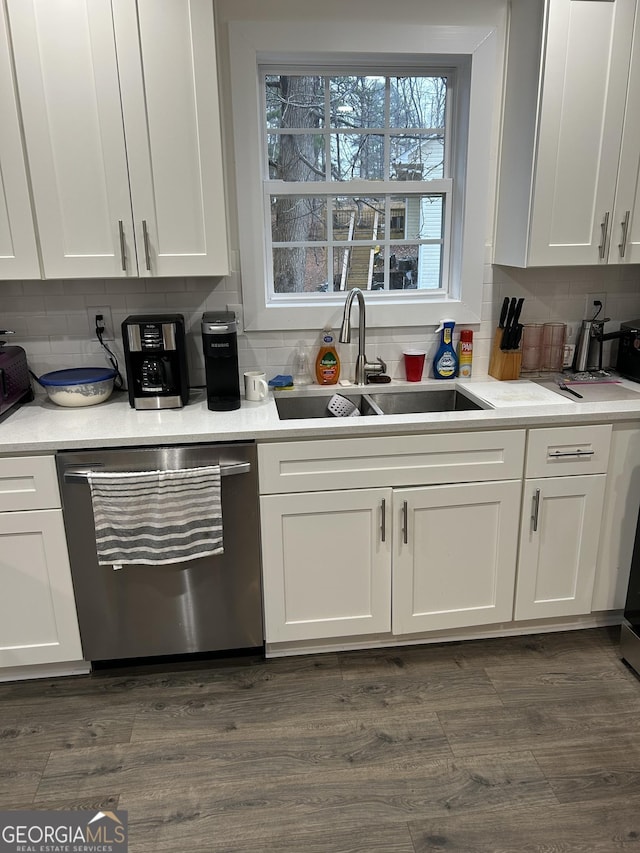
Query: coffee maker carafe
x=156 y=361
x=220 y=345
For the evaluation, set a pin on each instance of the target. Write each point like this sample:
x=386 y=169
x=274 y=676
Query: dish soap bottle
x=327 y=361
x=445 y=361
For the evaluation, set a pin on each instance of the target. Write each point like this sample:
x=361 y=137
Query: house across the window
x=356 y=179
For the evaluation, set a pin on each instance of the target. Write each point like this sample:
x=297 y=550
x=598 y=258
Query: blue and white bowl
x=79 y=386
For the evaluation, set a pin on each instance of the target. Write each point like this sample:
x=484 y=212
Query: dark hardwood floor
x=493 y=746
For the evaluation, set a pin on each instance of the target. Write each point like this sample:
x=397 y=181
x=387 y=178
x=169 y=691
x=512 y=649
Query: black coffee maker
x=155 y=356
x=220 y=345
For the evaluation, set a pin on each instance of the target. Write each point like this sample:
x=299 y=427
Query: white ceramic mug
x=255 y=385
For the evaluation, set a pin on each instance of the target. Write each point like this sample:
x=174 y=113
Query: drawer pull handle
x=147 y=251
x=123 y=251
x=383 y=520
x=625 y=233
x=558 y=453
x=604 y=227
x=535 y=509
x=405 y=524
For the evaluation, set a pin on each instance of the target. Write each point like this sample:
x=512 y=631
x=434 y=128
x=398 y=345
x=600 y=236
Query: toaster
x=15 y=384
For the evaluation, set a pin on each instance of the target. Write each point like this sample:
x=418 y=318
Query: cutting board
x=520 y=392
x=597 y=392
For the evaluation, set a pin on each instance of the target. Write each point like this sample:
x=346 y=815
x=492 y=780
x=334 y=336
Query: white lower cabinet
x=38 y=620
x=454 y=555
x=561 y=521
x=400 y=558
x=334 y=561
x=326 y=564
x=559 y=546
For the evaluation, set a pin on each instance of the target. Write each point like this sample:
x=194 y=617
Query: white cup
x=255 y=385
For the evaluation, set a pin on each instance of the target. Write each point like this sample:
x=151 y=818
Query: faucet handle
x=377 y=367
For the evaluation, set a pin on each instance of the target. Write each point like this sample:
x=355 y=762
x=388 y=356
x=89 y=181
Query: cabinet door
x=561 y=518
x=70 y=100
x=326 y=564
x=18 y=251
x=580 y=125
x=454 y=559
x=168 y=76
x=38 y=622
x=625 y=229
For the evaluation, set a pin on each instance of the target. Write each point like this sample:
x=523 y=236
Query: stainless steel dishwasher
x=203 y=605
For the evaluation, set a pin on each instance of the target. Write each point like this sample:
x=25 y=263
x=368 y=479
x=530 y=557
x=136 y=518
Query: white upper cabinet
x=121 y=121
x=570 y=157
x=18 y=251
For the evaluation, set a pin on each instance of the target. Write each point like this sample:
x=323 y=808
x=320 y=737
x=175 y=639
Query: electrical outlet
x=94 y=311
x=237 y=310
x=590 y=307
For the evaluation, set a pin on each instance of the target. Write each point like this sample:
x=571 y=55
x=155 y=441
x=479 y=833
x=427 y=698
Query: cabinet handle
x=405 y=525
x=383 y=520
x=535 y=509
x=147 y=253
x=558 y=453
x=123 y=251
x=604 y=227
x=625 y=230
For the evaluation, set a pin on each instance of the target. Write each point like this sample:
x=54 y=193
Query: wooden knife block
x=504 y=365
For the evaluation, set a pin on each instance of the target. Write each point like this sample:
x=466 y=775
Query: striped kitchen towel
x=156 y=517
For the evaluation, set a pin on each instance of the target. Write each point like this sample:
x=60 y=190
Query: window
x=386 y=134
x=361 y=169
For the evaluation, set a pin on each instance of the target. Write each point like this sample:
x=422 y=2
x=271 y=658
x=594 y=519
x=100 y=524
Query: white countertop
x=41 y=426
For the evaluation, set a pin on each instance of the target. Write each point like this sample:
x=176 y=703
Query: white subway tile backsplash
x=50 y=317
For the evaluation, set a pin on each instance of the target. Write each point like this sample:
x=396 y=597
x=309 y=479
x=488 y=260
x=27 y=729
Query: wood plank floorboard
x=271 y=805
x=577 y=828
x=527 y=744
x=249 y=752
x=548 y=725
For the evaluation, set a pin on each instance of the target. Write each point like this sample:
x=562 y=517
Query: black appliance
x=628 y=361
x=630 y=633
x=220 y=345
x=15 y=384
x=155 y=356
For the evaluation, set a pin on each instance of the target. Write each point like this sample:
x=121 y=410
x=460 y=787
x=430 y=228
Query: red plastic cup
x=414 y=364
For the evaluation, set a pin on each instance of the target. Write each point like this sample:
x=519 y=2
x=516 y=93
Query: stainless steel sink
x=416 y=402
x=290 y=407
x=384 y=403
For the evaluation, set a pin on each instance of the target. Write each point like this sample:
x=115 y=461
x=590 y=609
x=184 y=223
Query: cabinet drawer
x=327 y=464
x=563 y=451
x=28 y=482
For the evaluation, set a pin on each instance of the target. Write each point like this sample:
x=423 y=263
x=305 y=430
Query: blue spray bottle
x=445 y=361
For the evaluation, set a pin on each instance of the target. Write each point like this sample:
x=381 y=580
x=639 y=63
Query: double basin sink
x=384 y=403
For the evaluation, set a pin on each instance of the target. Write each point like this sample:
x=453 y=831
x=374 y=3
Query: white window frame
x=253 y=44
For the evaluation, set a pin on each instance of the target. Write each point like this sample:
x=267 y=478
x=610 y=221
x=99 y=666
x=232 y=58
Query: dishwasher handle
x=82 y=476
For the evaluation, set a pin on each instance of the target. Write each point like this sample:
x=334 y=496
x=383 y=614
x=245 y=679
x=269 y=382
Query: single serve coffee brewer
x=220 y=345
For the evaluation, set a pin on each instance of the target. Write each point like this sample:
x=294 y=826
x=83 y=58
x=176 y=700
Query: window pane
x=298 y=219
x=357 y=101
x=417 y=102
x=414 y=267
x=416 y=157
x=422 y=217
x=431 y=226
x=300 y=270
x=357 y=156
x=356 y=218
x=358 y=266
x=296 y=157
x=294 y=101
